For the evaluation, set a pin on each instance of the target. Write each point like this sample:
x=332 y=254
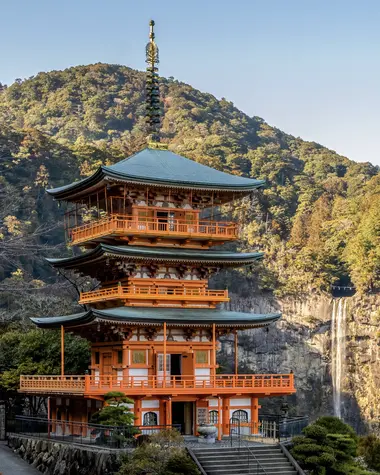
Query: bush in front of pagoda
x=117 y=416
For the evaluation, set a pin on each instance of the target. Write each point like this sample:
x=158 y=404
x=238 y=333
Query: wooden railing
x=221 y=383
x=59 y=384
x=134 y=225
x=152 y=292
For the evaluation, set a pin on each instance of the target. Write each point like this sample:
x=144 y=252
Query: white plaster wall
x=150 y=403
x=240 y=402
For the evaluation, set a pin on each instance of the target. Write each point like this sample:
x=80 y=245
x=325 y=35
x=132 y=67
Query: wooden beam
x=214 y=349
x=62 y=350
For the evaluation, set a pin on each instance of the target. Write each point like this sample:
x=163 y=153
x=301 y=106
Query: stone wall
x=53 y=458
x=301 y=342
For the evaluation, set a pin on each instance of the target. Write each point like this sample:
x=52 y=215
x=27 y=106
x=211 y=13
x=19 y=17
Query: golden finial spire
x=153 y=109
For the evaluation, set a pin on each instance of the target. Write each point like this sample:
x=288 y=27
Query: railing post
x=87 y=383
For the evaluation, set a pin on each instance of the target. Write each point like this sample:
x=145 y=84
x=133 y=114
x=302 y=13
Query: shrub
x=153 y=459
x=369 y=448
x=315 y=432
x=334 y=425
x=328 y=447
x=181 y=464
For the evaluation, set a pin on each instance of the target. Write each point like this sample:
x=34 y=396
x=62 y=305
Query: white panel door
x=160 y=367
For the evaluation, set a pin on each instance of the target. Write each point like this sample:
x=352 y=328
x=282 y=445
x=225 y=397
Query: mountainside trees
x=317 y=220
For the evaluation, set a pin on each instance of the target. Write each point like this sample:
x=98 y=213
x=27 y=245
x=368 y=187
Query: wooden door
x=188 y=366
x=107 y=364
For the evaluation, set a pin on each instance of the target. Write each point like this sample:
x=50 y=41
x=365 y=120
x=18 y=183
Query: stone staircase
x=240 y=461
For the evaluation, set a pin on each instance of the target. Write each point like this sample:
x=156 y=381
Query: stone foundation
x=54 y=458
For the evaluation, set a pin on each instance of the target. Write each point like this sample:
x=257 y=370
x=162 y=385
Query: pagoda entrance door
x=173 y=366
x=182 y=415
x=107 y=364
x=165 y=221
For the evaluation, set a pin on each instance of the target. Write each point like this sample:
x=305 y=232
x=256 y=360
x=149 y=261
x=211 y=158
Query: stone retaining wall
x=55 y=458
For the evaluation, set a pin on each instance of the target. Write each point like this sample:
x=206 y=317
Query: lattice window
x=213 y=417
x=150 y=419
x=139 y=356
x=201 y=356
x=240 y=415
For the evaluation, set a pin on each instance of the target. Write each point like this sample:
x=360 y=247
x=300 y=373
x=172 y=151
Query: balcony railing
x=134 y=292
x=152 y=227
x=265 y=384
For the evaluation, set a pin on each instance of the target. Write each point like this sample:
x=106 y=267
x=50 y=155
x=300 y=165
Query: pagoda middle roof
x=157 y=254
x=172 y=316
x=161 y=168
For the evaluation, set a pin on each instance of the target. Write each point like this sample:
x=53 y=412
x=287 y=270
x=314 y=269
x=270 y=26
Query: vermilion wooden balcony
x=133 y=294
x=258 y=384
x=120 y=225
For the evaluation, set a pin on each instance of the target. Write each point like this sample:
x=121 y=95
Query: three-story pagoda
x=154 y=323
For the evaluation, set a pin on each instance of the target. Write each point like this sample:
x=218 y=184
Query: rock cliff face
x=334 y=367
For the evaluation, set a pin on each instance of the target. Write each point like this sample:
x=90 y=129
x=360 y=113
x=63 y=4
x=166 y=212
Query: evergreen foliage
x=38 y=352
x=115 y=412
x=163 y=455
x=328 y=447
x=369 y=448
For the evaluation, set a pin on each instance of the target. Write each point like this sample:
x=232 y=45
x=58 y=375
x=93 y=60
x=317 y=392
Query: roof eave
x=76 y=189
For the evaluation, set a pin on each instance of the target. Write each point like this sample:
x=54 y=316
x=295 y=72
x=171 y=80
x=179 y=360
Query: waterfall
x=338 y=351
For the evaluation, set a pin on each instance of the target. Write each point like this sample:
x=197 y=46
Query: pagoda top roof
x=157 y=316
x=161 y=168
x=157 y=254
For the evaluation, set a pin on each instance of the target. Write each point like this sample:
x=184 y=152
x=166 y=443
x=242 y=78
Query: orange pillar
x=213 y=350
x=168 y=412
x=255 y=415
x=219 y=418
x=226 y=416
x=164 y=383
x=137 y=409
x=62 y=350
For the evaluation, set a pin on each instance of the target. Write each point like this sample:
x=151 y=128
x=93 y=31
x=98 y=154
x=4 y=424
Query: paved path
x=12 y=464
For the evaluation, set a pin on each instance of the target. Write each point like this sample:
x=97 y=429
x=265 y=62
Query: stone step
x=279 y=469
x=240 y=455
x=241 y=461
x=264 y=463
x=247 y=471
x=235 y=451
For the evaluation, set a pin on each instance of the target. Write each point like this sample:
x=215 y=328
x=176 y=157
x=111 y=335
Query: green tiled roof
x=161 y=168
x=172 y=316
x=158 y=254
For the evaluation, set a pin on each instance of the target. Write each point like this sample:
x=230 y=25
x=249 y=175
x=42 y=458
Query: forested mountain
x=318 y=220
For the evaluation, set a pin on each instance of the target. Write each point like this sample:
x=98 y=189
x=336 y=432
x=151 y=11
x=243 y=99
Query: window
x=139 y=356
x=120 y=357
x=213 y=417
x=97 y=357
x=240 y=415
x=150 y=419
x=201 y=357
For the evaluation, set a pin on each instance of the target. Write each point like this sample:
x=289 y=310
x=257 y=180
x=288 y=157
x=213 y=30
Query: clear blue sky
x=309 y=67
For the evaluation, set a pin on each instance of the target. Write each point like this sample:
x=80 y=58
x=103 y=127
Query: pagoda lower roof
x=157 y=254
x=162 y=168
x=157 y=316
